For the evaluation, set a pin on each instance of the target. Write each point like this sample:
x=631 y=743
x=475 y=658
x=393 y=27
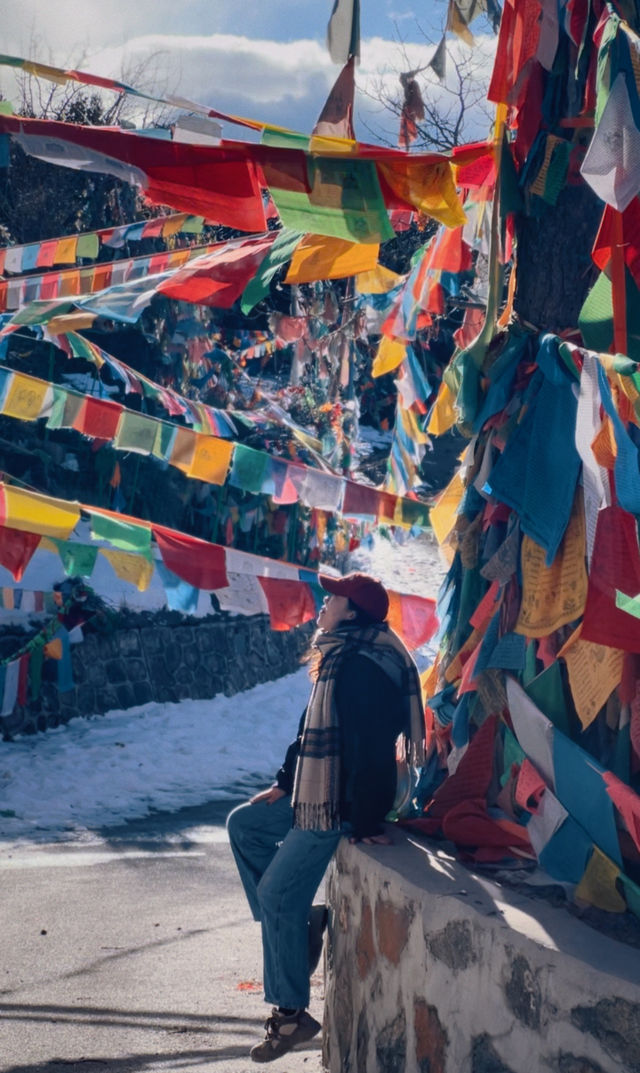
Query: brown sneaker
x=283 y=1034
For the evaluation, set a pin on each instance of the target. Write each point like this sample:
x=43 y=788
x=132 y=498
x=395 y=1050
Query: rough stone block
x=391 y=1046
x=615 y=1022
x=142 y=692
x=453 y=945
x=573 y=1063
x=485 y=1059
x=522 y=991
x=87 y=700
x=126 y=696
x=365 y=946
x=115 y=671
x=129 y=643
x=136 y=670
x=392 y=929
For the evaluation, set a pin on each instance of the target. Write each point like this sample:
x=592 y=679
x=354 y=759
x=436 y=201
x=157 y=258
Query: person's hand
x=269 y=796
x=373 y=840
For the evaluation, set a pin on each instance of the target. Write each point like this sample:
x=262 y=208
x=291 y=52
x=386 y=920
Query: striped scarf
x=316 y=791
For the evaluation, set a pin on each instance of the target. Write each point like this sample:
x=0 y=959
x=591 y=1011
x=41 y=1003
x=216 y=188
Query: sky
x=268 y=61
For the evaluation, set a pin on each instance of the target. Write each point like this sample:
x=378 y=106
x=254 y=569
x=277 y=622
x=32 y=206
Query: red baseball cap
x=364 y=591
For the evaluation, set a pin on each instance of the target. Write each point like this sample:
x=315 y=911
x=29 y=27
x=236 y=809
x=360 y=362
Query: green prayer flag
x=35 y=671
x=285 y=139
x=512 y=753
x=88 y=246
x=281 y=252
x=41 y=311
x=414 y=513
x=193 y=225
x=344 y=201
x=122 y=535
x=64 y=409
x=55 y=418
x=136 y=432
x=77 y=559
x=165 y=439
x=596 y=316
x=630 y=604
x=249 y=468
x=547 y=693
x=631 y=892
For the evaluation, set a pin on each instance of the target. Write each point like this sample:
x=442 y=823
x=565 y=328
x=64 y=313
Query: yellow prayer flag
x=183 y=449
x=379 y=280
x=321 y=257
x=39 y=514
x=444 y=511
x=211 y=459
x=173 y=224
x=429 y=679
x=443 y=416
x=554 y=595
x=598 y=884
x=53 y=649
x=42 y=70
x=389 y=355
x=136 y=569
x=65 y=252
x=71 y=322
x=26 y=397
x=594 y=672
x=430 y=189
x=324 y=145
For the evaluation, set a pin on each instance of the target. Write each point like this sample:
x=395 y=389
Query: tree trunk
x=555 y=270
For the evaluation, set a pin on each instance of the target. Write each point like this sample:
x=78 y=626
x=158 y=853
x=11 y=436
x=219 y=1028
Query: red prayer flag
x=16 y=550
x=290 y=603
x=615 y=565
x=219 y=278
x=201 y=564
x=98 y=418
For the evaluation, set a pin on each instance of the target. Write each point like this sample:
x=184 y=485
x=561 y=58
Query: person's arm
x=369 y=713
x=283 y=783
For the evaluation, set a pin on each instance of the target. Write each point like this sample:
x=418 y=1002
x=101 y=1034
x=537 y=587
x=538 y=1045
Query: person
x=338 y=779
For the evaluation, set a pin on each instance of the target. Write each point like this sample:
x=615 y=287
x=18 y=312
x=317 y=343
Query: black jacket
x=370 y=716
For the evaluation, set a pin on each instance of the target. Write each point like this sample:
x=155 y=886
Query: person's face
x=334 y=611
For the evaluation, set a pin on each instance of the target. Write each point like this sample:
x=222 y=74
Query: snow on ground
x=104 y=770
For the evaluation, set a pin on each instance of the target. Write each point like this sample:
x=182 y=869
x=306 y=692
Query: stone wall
x=163 y=663
x=433 y=969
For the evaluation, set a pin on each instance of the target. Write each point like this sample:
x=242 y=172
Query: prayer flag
x=336 y=118
x=196 y=561
x=211 y=459
x=343 y=31
x=136 y=569
x=290 y=603
x=218 y=278
x=318 y=257
x=122 y=534
x=16 y=550
x=37 y=513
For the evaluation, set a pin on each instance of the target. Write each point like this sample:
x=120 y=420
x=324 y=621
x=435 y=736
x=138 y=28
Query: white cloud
x=283 y=82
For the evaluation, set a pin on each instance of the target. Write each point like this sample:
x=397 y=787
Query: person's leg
x=255 y=833
x=285 y=894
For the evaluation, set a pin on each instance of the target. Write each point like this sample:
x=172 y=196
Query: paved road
x=134 y=952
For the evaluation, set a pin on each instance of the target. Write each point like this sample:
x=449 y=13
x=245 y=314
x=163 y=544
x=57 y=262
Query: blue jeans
x=281 y=869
